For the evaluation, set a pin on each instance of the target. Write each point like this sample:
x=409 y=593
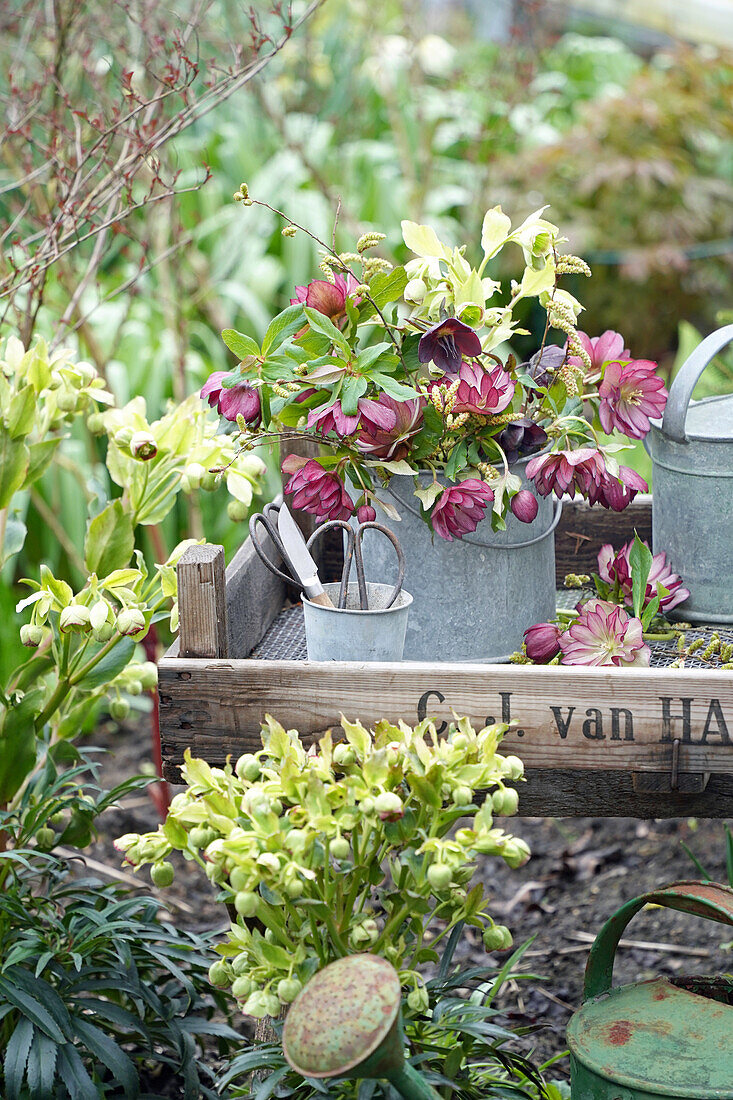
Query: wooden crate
x=637 y=742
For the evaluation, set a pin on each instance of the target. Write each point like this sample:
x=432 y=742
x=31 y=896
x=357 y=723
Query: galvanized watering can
x=347 y=1022
x=656 y=1039
x=692 y=501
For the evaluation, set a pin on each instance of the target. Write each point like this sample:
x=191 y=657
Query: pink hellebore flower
x=319 y=492
x=230 y=403
x=524 y=506
x=567 y=472
x=446 y=343
x=630 y=393
x=602 y=349
x=460 y=508
x=373 y=415
x=392 y=443
x=542 y=642
x=603 y=634
x=483 y=392
x=617 y=492
x=328 y=298
x=614 y=566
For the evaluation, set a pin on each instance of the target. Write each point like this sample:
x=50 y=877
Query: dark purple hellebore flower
x=520 y=438
x=544 y=363
x=524 y=506
x=230 y=403
x=446 y=343
x=542 y=642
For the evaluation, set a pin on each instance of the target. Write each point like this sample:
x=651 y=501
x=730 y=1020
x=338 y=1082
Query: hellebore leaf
x=14 y=461
x=325 y=326
x=239 y=343
x=387 y=286
x=282 y=327
x=640 y=561
x=110 y=540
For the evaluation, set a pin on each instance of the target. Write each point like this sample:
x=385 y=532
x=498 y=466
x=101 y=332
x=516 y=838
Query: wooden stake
x=202 y=602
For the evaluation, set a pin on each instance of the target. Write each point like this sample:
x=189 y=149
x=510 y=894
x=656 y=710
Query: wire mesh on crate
x=285 y=640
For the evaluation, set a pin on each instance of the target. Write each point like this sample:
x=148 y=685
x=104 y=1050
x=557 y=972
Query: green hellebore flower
x=246 y=902
x=288 y=989
x=219 y=974
x=162 y=874
x=248 y=767
x=497 y=938
x=419 y=1000
x=242 y=987
x=440 y=876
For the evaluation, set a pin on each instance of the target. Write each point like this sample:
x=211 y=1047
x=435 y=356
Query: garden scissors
x=295 y=553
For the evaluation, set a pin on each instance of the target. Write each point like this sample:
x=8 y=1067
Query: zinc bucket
x=350 y=634
x=692 y=488
x=474 y=597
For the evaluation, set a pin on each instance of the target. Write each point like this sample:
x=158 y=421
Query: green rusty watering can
x=656 y=1039
x=346 y=1022
x=692 y=488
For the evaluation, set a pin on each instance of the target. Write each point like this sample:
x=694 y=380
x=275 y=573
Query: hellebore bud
x=130 y=621
x=240 y=966
x=287 y=990
x=202 y=835
x=497 y=938
x=123 y=438
x=119 y=709
x=242 y=987
x=296 y=840
x=95 y=423
x=162 y=874
x=418 y=999
x=389 y=806
x=31 y=635
x=74 y=617
x=260 y=1004
x=192 y=475
x=246 y=903
x=148 y=673
x=143 y=446
x=505 y=801
x=45 y=838
x=237 y=511
x=247 y=767
x=415 y=291
x=294 y=888
x=515 y=852
x=462 y=796
x=515 y=766
x=218 y=974
x=365 y=513
x=343 y=755
x=440 y=876
x=340 y=848
x=239 y=878
x=67 y=400
x=524 y=506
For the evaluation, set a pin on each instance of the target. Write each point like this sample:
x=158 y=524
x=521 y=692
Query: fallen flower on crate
x=600 y=630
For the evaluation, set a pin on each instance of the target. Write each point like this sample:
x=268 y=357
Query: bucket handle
x=703 y=899
x=680 y=392
x=489 y=545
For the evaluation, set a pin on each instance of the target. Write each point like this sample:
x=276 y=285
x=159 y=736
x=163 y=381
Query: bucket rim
x=398 y=605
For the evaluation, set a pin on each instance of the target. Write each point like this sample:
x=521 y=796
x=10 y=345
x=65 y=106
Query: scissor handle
x=348 y=554
x=263 y=518
x=359 y=535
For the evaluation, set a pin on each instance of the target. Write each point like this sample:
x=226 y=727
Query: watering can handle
x=680 y=392
x=703 y=899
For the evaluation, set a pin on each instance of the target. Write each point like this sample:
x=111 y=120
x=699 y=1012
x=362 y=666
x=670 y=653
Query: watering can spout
x=347 y=1023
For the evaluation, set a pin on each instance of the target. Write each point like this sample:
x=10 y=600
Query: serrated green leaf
x=41 y=1069
x=72 y=1072
x=110 y=540
x=41 y=454
x=16 y=1056
x=109 y=1054
x=398 y=390
x=239 y=343
x=30 y=1006
x=457 y=460
x=22 y=412
x=387 y=286
x=352 y=389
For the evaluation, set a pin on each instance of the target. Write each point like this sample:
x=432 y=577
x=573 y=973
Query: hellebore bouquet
x=633 y=590
x=342 y=848
x=407 y=371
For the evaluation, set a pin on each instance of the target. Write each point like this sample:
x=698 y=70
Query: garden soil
x=581 y=871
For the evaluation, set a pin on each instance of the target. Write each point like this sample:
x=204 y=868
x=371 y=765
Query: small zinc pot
x=476 y=595
x=692 y=488
x=355 y=635
x=655 y=1039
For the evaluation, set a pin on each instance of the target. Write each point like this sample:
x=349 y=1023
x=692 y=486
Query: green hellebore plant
x=341 y=848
